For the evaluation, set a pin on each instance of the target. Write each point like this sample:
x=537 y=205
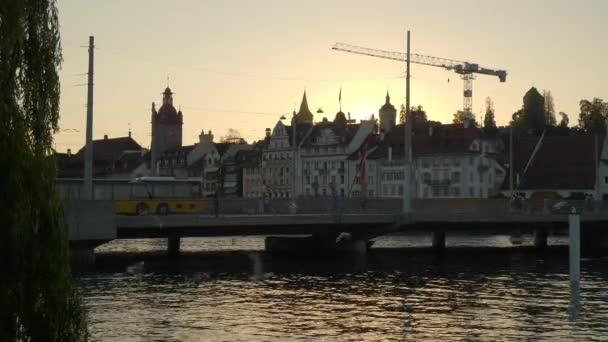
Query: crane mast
x=466 y=70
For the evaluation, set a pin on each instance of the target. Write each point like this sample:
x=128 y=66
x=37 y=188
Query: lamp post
x=407 y=143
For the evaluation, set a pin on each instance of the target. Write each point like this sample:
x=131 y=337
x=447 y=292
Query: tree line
x=536 y=115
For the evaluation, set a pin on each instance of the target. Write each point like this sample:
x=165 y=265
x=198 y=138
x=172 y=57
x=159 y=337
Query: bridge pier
x=173 y=244
x=439 y=240
x=540 y=239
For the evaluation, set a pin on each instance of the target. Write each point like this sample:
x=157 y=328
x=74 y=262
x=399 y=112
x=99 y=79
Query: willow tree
x=38 y=299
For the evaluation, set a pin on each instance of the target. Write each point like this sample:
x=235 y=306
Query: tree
x=564 y=121
x=489 y=122
x=233 y=137
x=549 y=109
x=459 y=118
x=38 y=299
x=418 y=113
x=562 y=128
x=593 y=115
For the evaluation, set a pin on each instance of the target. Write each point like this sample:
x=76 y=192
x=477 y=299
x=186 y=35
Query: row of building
x=342 y=157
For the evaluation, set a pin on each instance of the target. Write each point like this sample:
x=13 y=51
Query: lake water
x=225 y=289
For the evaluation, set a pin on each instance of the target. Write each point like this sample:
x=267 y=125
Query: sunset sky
x=242 y=64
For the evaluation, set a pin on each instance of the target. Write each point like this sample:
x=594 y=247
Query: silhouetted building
x=388 y=115
x=304 y=115
x=166 y=129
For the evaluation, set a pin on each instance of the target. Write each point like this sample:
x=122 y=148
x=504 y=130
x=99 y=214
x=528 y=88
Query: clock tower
x=166 y=129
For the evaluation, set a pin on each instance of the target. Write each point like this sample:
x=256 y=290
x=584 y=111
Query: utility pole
x=407 y=156
x=88 y=159
x=511 y=166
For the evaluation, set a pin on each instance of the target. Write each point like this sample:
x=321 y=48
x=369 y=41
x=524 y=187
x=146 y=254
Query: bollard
x=575 y=247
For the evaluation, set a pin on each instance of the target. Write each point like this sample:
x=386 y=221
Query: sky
x=243 y=64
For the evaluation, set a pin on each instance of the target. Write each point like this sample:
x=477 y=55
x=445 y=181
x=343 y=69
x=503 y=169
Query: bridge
x=93 y=222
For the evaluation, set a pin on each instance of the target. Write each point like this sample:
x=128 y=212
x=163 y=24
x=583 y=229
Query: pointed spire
x=388 y=97
x=304 y=114
x=304 y=104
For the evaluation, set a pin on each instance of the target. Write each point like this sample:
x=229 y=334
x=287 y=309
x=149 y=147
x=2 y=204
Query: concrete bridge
x=93 y=222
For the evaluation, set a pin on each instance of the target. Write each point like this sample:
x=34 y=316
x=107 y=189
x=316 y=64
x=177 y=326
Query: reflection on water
x=235 y=291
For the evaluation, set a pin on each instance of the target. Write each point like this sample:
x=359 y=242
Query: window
x=307 y=180
x=456 y=162
x=342 y=179
x=333 y=179
x=425 y=162
x=342 y=192
x=456 y=177
x=471 y=160
x=605 y=180
x=471 y=176
x=371 y=193
x=400 y=190
x=426 y=177
x=471 y=192
x=435 y=191
x=455 y=191
x=324 y=191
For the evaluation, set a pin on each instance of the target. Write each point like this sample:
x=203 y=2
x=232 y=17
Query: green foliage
x=530 y=119
x=549 y=109
x=418 y=113
x=459 y=118
x=38 y=300
x=562 y=128
x=489 y=122
x=593 y=115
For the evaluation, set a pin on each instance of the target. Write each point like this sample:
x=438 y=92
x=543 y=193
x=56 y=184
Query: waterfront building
x=449 y=161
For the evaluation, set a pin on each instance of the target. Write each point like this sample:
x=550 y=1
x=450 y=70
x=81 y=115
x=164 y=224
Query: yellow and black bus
x=142 y=196
x=161 y=196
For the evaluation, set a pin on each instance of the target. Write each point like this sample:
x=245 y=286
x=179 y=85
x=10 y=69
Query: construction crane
x=464 y=69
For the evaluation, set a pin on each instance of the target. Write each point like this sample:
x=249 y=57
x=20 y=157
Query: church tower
x=388 y=115
x=166 y=129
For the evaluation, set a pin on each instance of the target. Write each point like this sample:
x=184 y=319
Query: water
x=225 y=289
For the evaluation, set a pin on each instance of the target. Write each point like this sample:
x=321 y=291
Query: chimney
x=390 y=153
x=69 y=152
x=105 y=137
x=267 y=132
x=129 y=132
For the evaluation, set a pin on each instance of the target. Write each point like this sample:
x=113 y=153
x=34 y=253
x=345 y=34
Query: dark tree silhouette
x=549 y=109
x=38 y=300
x=489 y=122
x=593 y=115
x=459 y=118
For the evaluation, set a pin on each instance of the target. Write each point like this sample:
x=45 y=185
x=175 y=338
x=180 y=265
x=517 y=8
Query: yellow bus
x=161 y=196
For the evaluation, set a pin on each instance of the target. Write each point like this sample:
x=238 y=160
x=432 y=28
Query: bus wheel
x=162 y=209
x=142 y=209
